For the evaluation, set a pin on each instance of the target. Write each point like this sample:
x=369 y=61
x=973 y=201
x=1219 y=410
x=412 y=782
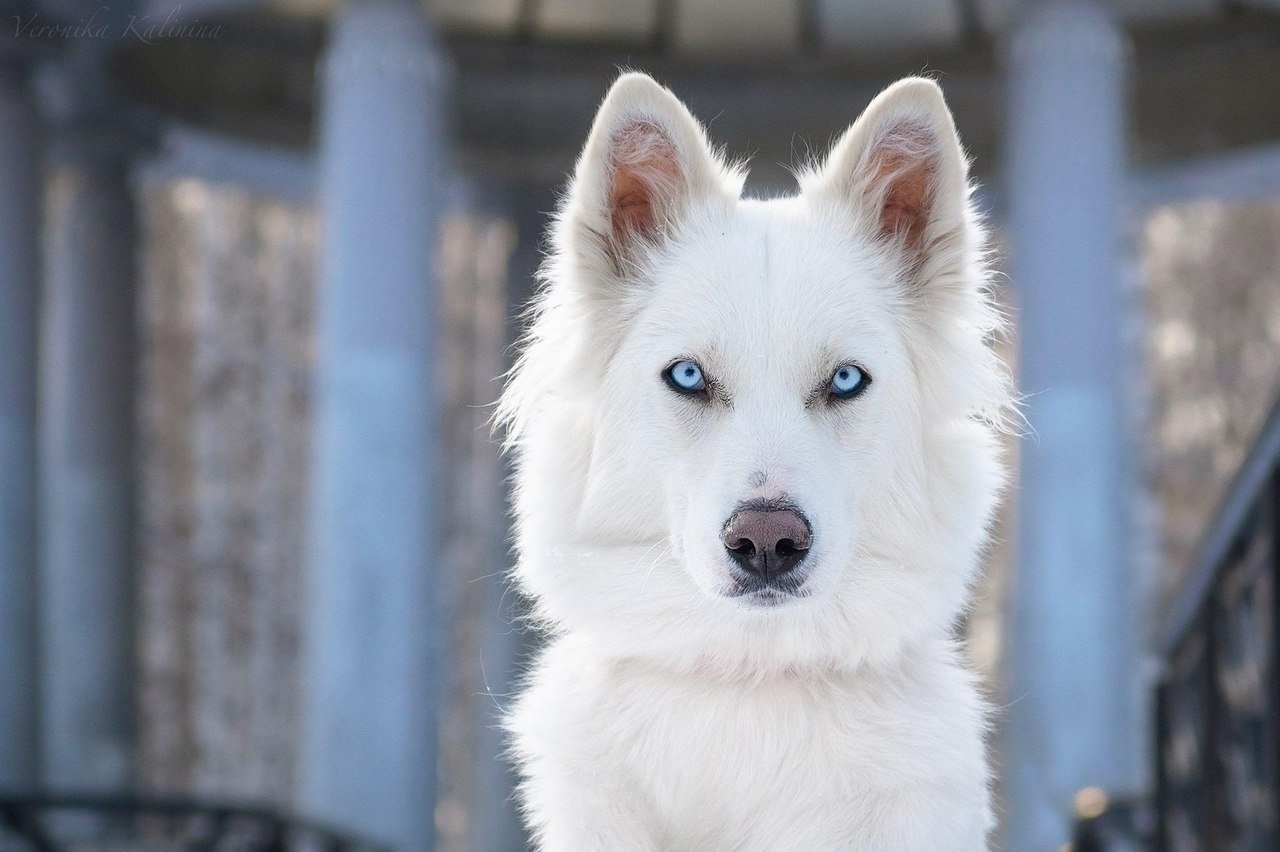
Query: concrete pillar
x=1074 y=717
x=20 y=189
x=87 y=427
x=370 y=682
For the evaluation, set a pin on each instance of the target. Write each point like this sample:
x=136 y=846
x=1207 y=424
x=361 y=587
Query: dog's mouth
x=763 y=594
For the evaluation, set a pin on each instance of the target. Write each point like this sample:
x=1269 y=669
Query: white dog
x=757 y=447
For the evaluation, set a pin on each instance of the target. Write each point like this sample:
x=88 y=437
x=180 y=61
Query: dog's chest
x=774 y=763
x=718 y=758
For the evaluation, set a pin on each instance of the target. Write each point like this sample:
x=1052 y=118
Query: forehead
x=770 y=273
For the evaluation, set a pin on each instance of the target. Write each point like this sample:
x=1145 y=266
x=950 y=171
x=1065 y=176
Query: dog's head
x=758 y=432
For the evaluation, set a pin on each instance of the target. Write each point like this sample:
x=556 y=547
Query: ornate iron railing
x=1217 y=705
x=61 y=823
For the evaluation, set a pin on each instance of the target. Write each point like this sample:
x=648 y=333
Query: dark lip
x=791 y=584
x=766 y=598
x=772 y=592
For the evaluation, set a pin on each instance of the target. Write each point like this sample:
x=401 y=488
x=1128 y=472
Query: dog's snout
x=767 y=541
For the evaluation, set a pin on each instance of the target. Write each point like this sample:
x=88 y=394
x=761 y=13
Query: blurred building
x=261 y=262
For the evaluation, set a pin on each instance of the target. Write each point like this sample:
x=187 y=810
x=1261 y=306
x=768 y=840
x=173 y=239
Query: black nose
x=767 y=541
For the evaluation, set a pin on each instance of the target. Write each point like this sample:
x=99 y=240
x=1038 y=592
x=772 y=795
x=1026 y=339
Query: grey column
x=20 y=188
x=88 y=366
x=369 y=702
x=1074 y=716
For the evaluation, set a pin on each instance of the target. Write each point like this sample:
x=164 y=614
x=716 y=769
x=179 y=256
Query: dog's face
x=769 y=383
x=741 y=419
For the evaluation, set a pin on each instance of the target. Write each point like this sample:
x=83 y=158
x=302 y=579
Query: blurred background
x=261 y=264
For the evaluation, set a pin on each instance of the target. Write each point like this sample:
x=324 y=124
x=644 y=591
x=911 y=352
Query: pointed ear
x=902 y=168
x=645 y=160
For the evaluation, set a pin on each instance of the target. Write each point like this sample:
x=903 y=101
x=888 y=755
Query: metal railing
x=1217 y=705
x=65 y=822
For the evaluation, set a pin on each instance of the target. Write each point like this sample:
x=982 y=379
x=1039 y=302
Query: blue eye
x=847 y=382
x=685 y=377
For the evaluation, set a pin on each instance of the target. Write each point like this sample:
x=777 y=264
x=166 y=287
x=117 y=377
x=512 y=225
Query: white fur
x=664 y=715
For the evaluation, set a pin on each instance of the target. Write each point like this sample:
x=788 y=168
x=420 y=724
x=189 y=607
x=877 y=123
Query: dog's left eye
x=685 y=377
x=848 y=381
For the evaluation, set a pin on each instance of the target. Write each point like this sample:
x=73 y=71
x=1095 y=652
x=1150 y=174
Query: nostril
x=743 y=547
x=799 y=544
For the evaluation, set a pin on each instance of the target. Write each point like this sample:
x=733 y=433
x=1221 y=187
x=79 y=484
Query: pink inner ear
x=903 y=163
x=645 y=179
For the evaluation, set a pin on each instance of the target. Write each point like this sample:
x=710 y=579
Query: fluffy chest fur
x=876 y=760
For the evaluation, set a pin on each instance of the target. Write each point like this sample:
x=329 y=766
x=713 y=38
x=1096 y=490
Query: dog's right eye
x=686 y=377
